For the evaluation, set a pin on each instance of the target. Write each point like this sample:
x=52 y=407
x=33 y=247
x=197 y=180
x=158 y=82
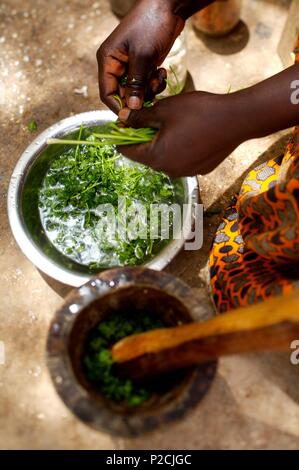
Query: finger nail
x=124 y=114
x=134 y=102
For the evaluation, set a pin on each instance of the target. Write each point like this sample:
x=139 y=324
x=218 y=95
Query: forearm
x=269 y=106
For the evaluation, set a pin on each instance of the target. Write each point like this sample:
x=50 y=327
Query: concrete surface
x=47 y=51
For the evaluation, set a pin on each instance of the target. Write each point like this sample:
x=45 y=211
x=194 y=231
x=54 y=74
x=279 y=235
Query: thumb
x=137 y=81
x=145 y=117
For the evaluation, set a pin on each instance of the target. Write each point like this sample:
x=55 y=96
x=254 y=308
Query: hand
x=197 y=131
x=136 y=48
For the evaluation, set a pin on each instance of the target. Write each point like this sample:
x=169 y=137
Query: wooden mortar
x=83 y=308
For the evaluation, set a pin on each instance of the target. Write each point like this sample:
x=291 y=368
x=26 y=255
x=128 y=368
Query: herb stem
x=79 y=138
x=72 y=142
x=87 y=189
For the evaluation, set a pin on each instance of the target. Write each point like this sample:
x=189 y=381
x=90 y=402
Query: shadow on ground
x=231 y=43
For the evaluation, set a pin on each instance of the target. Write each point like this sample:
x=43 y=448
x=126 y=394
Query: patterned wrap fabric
x=255 y=253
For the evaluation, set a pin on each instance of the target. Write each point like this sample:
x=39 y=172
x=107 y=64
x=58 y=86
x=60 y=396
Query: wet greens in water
x=98 y=363
x=81 y=179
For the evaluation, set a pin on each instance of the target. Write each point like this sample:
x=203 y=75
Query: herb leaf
x=98 y=362
x=32 y=126
x=88 y=174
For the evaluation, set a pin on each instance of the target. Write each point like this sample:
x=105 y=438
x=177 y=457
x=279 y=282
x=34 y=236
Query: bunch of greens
x=173 y=84
x=112 y=134
x=85 y=176
x=98 y=362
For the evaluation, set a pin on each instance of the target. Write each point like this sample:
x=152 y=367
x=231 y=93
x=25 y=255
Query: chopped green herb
x=123 y=80
x=118 y=99
x=173 y=84
x=98 y=362
x=88 y=174
x=148 y=104
x=32 y=126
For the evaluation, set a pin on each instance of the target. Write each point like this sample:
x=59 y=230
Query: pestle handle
x=269 y=326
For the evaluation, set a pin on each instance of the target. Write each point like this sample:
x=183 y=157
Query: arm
x=138 y=46
x=199 y=130
x=271 y=108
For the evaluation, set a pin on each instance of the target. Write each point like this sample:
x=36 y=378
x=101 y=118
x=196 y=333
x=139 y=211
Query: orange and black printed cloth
x=255 y=253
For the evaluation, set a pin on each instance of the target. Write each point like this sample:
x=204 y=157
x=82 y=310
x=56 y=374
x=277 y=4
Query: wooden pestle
x=268 y=326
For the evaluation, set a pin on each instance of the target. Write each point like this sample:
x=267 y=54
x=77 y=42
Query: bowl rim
x=23 y=239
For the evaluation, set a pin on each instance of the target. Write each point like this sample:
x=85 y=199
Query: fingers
x=138 y=77
x=141 y=153
x=157 y=83
x=147 y=154
x=110 y=70
x=145 y=117
x=151 y=155
x=109 y=89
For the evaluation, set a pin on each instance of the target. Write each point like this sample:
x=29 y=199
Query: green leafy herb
x=123 y=80
x=119 y=100
x=173 y=83
x=32 y=126
x=148 y=104
x=98 y=362
x=88 y=174
x=112 y=134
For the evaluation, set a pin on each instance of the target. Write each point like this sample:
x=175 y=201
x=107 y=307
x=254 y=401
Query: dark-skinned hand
x=198 y=130
x=137 y=47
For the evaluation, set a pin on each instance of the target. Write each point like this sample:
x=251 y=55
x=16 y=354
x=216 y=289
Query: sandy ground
x=47 y=52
